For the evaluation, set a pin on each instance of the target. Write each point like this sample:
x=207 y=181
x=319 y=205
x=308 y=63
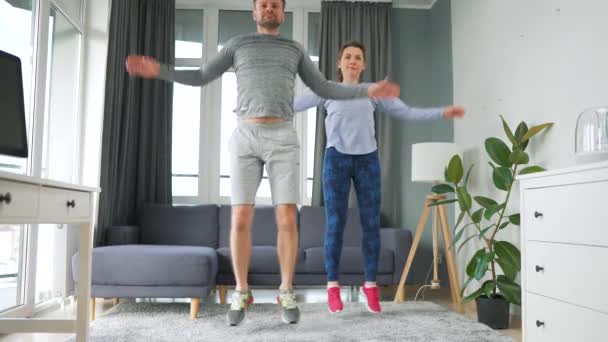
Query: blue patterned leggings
x=364 y=170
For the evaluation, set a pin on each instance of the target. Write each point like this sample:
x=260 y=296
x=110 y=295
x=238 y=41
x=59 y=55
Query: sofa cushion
x=179 y=225
x=351 y=261
x=263 y=230
x=148 y=265
x=264 y=259
x=312 y=227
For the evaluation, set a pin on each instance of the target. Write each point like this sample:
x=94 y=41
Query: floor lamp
x=429 y=161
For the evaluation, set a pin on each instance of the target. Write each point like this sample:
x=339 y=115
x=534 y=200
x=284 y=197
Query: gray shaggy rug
x=410 y=321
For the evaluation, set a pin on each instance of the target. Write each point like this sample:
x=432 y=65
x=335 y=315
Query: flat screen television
x=13 y=135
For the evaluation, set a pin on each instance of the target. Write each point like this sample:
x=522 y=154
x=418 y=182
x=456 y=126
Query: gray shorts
x=253 y=145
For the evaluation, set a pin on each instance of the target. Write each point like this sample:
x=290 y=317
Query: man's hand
x=142 y=66
x=452 y=112
x=383 y=88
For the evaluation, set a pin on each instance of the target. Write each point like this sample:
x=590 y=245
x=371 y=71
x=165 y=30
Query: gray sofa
x=183 y=252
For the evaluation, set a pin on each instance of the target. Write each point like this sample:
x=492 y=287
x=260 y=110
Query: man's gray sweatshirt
x=266 y=68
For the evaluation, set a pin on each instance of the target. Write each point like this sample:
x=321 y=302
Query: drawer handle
x=539 y=268
x=537 y=214
x=5 y=198
x=71 y=203
x=539 y=323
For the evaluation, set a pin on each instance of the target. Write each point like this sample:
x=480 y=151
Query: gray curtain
x=369 y=23
x=136 y=142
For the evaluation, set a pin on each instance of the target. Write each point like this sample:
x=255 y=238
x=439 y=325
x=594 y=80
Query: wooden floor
x=313 y=295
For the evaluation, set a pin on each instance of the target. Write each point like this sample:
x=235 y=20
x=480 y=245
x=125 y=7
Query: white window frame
x=40 y=53
x=210 y=120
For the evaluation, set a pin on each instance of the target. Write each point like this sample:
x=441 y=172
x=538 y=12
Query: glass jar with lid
x=591 y=136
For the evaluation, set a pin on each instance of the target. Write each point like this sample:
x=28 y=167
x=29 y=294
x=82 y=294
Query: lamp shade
x=429 y=161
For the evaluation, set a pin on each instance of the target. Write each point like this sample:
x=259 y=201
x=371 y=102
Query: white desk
x=28 y=200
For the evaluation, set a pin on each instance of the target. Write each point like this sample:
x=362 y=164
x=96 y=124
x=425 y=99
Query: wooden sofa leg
x=194 y=305
x=92 y=310
x=115 y=301
x=223 y=290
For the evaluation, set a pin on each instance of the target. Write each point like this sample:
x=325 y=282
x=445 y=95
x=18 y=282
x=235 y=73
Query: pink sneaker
x=334 y=302
x=373 y=299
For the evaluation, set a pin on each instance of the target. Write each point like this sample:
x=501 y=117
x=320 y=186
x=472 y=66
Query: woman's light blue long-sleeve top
x=349 y=124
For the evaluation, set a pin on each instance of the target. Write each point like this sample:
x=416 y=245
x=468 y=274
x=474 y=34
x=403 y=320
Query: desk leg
x=84 y=283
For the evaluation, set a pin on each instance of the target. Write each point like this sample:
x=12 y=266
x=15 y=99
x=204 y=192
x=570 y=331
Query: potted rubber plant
x=486 y=217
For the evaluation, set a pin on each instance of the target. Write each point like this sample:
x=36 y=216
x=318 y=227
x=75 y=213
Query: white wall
x=536 y=61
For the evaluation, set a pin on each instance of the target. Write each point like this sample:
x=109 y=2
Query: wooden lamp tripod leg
x=400 y=295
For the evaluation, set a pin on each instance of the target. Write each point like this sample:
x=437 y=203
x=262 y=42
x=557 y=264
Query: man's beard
x=269 y=23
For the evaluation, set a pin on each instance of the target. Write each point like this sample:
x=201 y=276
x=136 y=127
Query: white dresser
x=29 y=200
x=564 y=243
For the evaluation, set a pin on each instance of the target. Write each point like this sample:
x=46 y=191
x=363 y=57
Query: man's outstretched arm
x=315 y=80
x=148 y=67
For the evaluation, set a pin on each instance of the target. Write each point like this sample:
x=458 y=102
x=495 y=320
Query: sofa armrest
x=122 y=235
x=398 y=240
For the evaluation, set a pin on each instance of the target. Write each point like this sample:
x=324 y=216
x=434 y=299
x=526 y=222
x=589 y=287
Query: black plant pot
x=493 y=312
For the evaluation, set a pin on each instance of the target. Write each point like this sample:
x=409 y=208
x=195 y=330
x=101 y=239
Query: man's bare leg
x=287 y=250
x=240 y=243
x=287 y=242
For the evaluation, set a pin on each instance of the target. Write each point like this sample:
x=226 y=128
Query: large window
x=187 y=104
x=16 y=38
x=59 y=159
x=204 y=118
x=233 y=23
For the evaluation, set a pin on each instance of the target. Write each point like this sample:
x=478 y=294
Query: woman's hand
x=452 y=112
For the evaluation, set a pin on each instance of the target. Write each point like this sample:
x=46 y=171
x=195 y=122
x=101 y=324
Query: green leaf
x=508 y=254
x=466 y=178
x=515 y=219
x=442 y=202
x=472 y=265
x=483 y=232
x=457 y=237
x=519 y=157
x=502 y=177
x=459 y=220
x=535 y=130
x=488 y=288
x=503 y=225
x=507 y=269
x=464 y=199
x=473 y=296
x=509 y=289
x=464 y=287
x=508 y=131
x=455 y=170
x=442 y=189
x=531 y=169
x=482 y=264
x=493 y=209
x=464 y=242
x=521 y=130
x=498 y=151
x=484 y=201
x=476 y=217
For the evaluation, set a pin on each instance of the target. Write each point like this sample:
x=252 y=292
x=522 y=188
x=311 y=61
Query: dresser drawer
x=63 y=204
x=23 y=200
x=548 y=320
x=575 y=214
x=571 y=273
